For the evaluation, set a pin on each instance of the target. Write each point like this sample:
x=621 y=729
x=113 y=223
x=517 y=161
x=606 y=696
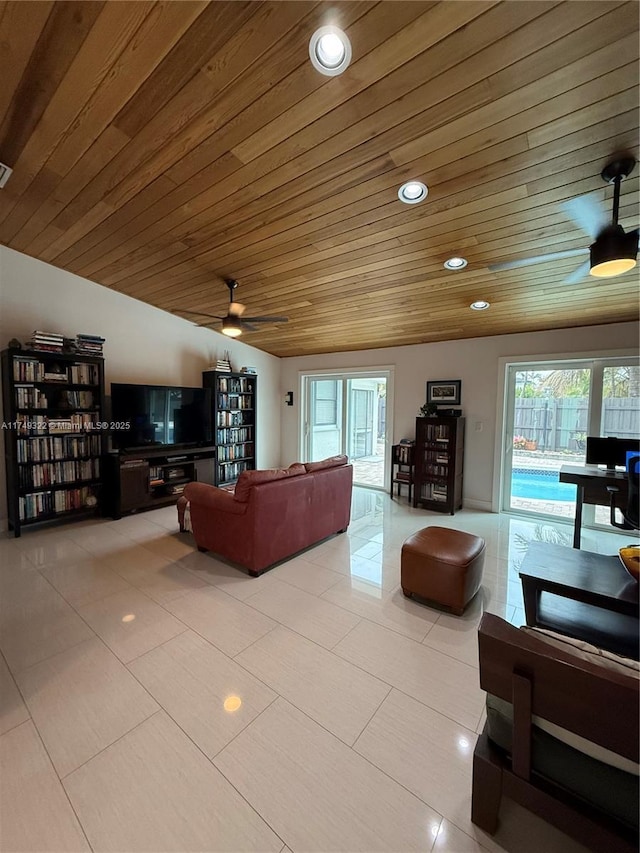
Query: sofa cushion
x=331 y=462
x=601 y=783
x=585 y=651
x=248 y=479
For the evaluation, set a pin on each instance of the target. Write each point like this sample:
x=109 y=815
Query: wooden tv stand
x=150 y=478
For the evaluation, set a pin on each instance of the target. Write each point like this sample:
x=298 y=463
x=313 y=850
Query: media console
x=149 y=478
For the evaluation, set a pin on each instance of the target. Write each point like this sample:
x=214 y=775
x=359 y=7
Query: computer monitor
x=610 y=452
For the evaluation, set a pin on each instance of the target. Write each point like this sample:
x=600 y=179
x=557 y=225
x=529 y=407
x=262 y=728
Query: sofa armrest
x=212 y=498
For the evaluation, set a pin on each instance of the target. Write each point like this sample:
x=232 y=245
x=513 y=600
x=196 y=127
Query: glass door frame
x=506 y=412
x=344 y=373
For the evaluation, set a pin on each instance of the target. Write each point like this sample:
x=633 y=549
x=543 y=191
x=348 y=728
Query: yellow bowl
x=630 y=557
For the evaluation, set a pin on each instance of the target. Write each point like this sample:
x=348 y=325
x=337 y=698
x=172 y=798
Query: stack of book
x=46 y=341
x=90 y=344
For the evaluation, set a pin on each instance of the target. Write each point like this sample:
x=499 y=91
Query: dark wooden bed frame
x=596 y=703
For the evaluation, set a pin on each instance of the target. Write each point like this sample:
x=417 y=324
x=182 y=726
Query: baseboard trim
x=485 y=506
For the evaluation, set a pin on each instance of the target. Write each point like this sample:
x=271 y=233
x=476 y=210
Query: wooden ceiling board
x=161 y=147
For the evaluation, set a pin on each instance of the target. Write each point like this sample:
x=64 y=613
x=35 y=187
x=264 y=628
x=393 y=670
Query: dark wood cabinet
x=439 y=458
x=402 y=465
x=54 y=435
x=233 y=416
x=147 y=479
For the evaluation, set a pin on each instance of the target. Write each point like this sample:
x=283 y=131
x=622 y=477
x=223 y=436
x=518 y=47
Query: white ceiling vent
x=5 y=174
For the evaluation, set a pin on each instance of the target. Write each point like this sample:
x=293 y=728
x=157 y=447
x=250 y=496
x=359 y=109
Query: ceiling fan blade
x=237 y=309
x=195 y=313
x=578 y=274
x=588 y=212
x=265 y=320
x=249 y=328
x=537 y=259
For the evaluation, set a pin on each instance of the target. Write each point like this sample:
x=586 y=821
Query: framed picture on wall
x=444 y=391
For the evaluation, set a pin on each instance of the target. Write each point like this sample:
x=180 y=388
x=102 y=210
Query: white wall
x=476 y=363
x=143 y=344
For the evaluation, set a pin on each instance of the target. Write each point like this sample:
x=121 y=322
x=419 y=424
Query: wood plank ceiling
x=159 y=148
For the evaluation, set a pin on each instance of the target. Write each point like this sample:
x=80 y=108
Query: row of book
x=235 y=401
x=231 y=471
x=74 y=399
x=52 y=503
x=235 y=451
x=89 y=345
x=56 y=473
x=42 y=425
x=46 y=341
x=234 y=435
x=436 y=470
x=434 y=492
x=233 y=419
x=59 y=447
x=234 y=385
x=29 y=397
x=32 y=370
x=437 y=432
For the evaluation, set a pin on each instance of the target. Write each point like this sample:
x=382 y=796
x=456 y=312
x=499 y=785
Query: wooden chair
x=588 y=700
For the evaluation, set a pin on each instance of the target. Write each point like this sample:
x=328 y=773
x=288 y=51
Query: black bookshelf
x=233 y=411
x=54 y=435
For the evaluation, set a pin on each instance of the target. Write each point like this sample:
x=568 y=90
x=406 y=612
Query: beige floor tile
x=223 y=620
x=80 y=583
x=390 y=609
x=162 y=582
x=193 y=680
x=53 y=548
x=13 y=711
x=154 y=790
x=302 y=574
x=314 y=618
x=403 y=727
x=130 y=623
x=331 y=691
x=97 y=539
x=441 y=682
x=318 y=794
x=173 y=546
x=139 y=528
x=82 y=700
x=35 y=814
x=36 y=622
x=224 y=576
x=450 y=839
x=131 y=558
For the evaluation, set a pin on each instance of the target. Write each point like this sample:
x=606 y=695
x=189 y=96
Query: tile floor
x=155 y=698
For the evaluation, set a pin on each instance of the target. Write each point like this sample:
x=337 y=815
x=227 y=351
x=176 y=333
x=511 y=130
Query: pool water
x=540 y=485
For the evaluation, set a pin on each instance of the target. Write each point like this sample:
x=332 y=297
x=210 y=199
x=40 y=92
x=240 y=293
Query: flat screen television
x=158 y=415
x=610 y=452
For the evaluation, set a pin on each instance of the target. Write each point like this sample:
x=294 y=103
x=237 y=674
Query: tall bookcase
x=233 y=405
x=439 y=458
x=53 y=436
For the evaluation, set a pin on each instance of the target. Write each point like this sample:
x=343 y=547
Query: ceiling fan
x=612 y=252
x=234 y=323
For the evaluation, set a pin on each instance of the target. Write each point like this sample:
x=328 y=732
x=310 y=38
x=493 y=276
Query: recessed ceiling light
x=479 y=305
x=412 y=192
x=330 y=51
x=455 y=264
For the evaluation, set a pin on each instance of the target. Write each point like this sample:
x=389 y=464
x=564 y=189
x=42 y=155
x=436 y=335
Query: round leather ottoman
x=442 y=565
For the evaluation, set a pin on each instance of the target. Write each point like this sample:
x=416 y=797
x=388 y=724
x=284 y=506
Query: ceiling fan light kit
x=614 y=252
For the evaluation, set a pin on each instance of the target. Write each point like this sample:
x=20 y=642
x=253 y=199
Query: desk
x=586 y=595
x=592 y=489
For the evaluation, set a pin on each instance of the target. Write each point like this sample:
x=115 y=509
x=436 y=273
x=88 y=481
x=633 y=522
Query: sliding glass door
x=550 y=410
x=347 y=413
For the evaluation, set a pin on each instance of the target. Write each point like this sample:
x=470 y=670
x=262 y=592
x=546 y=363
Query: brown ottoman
x=442 y=565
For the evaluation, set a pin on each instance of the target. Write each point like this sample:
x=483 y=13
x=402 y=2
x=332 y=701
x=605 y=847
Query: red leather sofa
x=273 y=514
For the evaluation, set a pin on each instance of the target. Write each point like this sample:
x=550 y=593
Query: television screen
x=610 y=452
x=155 y=415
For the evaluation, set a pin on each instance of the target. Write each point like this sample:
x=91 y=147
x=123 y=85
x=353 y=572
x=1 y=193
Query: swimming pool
x=540 y=485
